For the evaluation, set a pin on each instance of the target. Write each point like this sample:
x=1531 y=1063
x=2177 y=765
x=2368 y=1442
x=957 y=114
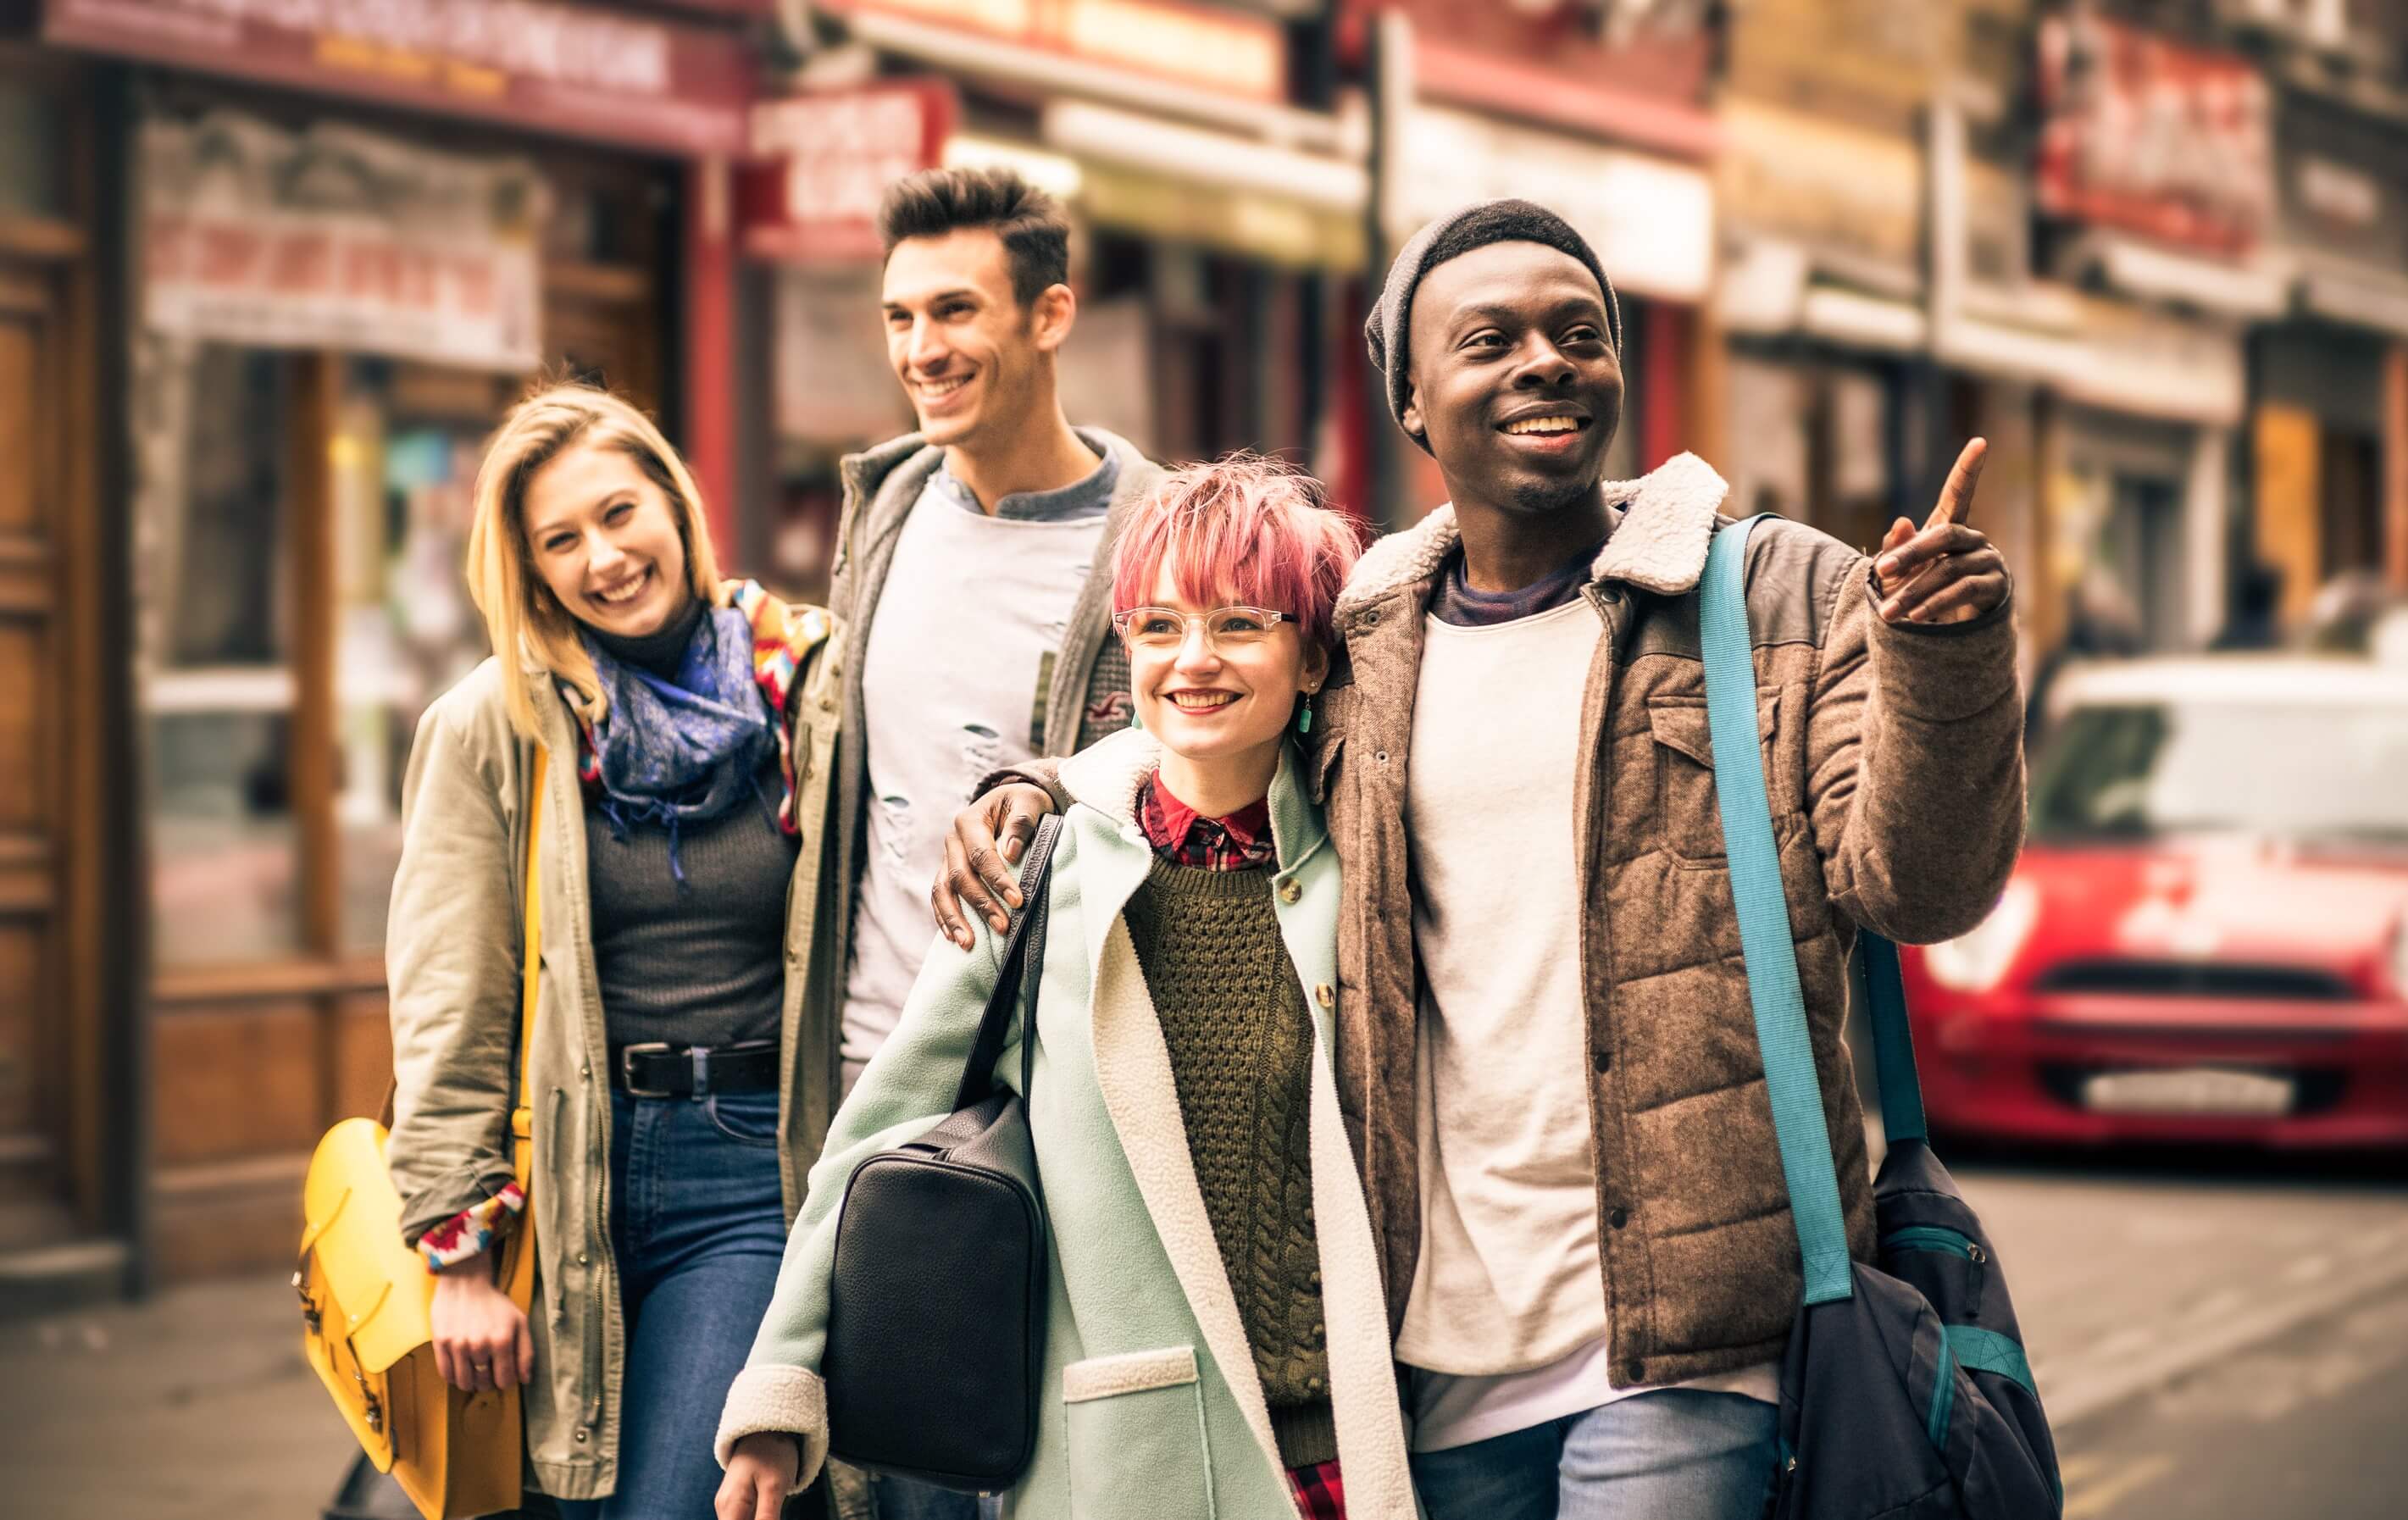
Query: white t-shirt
x=1506 y=1324
x=952 y=681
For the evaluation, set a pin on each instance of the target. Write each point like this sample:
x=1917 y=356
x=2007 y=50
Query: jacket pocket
x=1691 y=815
x=1135 y=1432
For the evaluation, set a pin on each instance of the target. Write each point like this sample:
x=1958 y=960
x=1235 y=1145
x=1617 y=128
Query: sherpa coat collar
x=1147 y=1363
x=1662 y=523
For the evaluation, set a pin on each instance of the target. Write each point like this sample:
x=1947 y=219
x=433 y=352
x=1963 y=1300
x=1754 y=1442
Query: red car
x=2207 y=937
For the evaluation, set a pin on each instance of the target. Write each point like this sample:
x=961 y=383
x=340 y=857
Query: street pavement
x=2216 y=1338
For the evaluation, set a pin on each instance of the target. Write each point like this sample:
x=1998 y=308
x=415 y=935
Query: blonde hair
x=532 y=633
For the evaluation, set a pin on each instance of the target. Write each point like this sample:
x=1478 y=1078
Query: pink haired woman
x=1216 y=1340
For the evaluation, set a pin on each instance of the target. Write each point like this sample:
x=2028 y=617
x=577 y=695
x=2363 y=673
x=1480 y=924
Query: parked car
x=2207 y=937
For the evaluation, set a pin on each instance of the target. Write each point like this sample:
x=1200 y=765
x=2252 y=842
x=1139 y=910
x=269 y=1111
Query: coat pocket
x=1136 y=1431
x=1691 y=815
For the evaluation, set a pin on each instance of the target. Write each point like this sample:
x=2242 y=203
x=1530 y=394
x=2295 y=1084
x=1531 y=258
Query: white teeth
x=621 y=593
x=1199 y=702
x=1543 y=425
x=944 y=387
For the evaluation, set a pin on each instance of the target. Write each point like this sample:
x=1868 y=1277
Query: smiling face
x=603 y=536
x=1221 y=706
x=1514 y=381
x=976 y=361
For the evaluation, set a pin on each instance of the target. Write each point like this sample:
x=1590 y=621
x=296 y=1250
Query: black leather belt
x=660 y=1069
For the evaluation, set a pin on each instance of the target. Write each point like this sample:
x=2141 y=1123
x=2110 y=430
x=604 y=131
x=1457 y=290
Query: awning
x=2121 y=357
x=2356 y=295
x=2260 y=288
x=1768 y=288
x=1651 y=218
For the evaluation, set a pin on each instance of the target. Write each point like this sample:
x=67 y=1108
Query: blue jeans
x=1676 y=1454
x=698 y=1228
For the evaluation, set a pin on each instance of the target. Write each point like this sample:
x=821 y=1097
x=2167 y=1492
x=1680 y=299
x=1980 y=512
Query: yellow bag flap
x=380 y=1289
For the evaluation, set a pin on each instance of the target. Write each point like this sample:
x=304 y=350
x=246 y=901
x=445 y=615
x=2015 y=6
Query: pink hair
x=1244 y=530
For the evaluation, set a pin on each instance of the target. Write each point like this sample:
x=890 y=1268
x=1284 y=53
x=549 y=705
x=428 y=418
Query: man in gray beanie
x=1546 y=1050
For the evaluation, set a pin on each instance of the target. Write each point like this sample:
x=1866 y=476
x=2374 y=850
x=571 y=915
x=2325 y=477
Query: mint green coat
x=1149 y=1404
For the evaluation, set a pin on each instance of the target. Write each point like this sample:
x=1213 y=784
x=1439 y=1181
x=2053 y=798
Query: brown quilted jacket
x=1894 y=760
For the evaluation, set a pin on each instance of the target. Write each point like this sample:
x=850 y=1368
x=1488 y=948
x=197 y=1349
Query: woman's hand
x=481 y=1338
x=761 y=1471
x=977 y=869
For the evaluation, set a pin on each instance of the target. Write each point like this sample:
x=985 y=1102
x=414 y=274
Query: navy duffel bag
x=1905 y=1393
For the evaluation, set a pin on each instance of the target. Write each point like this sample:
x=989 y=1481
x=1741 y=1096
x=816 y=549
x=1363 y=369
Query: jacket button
x=1313 y=1277
x=1369 y=620
x=1602 y=1060
x=581 y=1438
x=1633 y=1372
x=1289 y=891
x=1618 y=1218
x=1381 y=756
x=1322 y=995
x=580 y=1259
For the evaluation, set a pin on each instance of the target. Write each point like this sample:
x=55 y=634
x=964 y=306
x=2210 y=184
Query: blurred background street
x=269 y=272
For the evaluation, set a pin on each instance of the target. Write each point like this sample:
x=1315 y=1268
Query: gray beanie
x=1477 y=225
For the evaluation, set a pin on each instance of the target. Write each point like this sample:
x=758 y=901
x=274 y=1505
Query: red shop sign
x=554 y=66
x=2138 y=133
x=824 y=159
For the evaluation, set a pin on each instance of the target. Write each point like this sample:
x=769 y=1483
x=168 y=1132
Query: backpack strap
x=1772 y=985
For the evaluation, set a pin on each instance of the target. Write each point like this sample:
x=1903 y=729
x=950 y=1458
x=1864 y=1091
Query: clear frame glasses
x=1164 y=629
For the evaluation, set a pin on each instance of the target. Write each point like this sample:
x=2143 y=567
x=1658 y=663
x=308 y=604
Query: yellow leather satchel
x=366 y=1300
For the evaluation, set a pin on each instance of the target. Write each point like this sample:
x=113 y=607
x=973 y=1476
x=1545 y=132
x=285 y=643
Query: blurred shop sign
x=1651 y=218
x=2152 y=136
x=1289 y=231
x=824 y=159
x=1204 y=47
x=834 y=387
x=610 y=76
x=1835 y=188
x=338 y=238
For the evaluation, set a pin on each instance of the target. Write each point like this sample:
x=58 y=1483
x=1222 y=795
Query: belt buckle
x=628 y=1055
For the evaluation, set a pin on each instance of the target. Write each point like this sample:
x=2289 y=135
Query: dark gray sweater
x=701 y=963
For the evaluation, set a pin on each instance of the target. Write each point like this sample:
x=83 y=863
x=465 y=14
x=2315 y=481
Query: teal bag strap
x=1901 y=1090
x=1773 y=984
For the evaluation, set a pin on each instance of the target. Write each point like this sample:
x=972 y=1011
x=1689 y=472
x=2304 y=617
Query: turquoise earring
x=1304 y=715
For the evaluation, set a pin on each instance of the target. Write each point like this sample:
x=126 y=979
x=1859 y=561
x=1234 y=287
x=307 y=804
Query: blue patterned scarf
x=685 y=749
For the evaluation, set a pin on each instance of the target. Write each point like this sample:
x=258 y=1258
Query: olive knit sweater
x=1240 y=1039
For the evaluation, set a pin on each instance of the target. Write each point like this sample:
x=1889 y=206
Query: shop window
x=219 y=692
x=405 y=452
x=29 y=152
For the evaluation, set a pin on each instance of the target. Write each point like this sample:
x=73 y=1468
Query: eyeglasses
x=1162 y=629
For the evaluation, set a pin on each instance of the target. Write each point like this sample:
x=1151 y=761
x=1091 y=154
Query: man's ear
x=1050 y=316
x=1412 y=416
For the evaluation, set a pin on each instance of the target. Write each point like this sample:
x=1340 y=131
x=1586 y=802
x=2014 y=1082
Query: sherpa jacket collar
x=1662 y=523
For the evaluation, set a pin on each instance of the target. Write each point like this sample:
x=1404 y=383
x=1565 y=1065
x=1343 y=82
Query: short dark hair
x=1035 y=230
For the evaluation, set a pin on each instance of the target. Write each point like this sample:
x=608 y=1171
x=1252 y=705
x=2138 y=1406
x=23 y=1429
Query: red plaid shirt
x=1180 y=835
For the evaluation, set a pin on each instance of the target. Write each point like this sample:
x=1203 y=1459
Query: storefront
x=2149 y=220
x=69 y=998
x=1219 y=247
x=2328 y=427
x=1821 y=294
x=349 y=251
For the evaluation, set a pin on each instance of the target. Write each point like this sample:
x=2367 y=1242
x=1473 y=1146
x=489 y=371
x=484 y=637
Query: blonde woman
x=668 y=1066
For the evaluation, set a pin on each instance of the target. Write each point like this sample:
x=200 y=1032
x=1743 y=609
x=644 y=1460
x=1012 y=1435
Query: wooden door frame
x=100 y=933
